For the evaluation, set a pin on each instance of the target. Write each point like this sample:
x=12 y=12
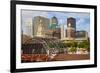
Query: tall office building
x=40 y=25
x=53 y=23
x=71 y=28
x=62 y=31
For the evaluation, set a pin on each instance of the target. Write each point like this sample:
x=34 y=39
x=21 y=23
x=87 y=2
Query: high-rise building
x=62 y=31
x=53 y=23
x=54 y=20
x=40 y=25
x=71 y=28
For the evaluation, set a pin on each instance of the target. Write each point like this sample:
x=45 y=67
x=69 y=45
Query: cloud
x=78 y=15
x=83 y=24
x=27 y=16
x=82 y=19
x=33 y=13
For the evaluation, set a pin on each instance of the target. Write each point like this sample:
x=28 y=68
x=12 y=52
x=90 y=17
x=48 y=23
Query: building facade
x=62 y=32
x=71 y=28
x=53 y=22
x=40 y=25
x=81 y=35
x=57 y=33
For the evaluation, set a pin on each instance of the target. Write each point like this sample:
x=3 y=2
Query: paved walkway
x=72 y=57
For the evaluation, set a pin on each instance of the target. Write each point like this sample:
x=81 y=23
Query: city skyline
x=82 y=19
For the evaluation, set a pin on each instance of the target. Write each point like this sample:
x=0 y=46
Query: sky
x=82 y=19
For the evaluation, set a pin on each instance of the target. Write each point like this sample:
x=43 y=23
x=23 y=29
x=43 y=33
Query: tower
x=62 y=31
x=71 y=28
x=40 y=25
x=40 y=30
x=54 y=22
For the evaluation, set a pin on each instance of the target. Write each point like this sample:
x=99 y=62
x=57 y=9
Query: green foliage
x=51 y=45
x=73 y=49
x=68 y=44
x=62 y=45
x=74 y=44
x=85 y=45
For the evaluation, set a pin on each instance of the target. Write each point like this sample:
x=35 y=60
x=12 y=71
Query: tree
x=50 y=45
x=85 y=44
x=74 y=44
x=68 y=44
x=73 y=50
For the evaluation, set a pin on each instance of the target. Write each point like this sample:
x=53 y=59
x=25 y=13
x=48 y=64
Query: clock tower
x=71 y=28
